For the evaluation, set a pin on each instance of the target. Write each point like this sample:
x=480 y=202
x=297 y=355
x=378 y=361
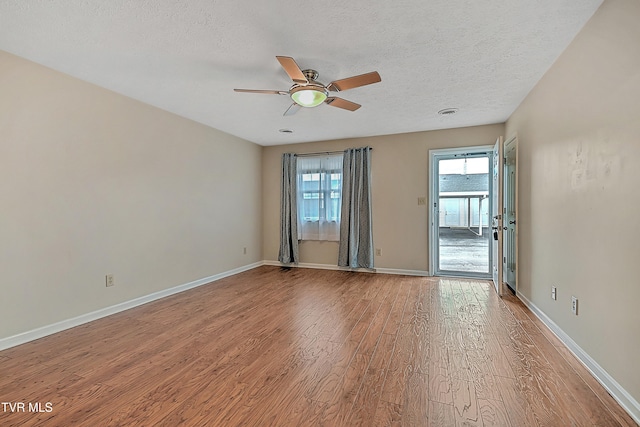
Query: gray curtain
x=289 y=211
x=356 y=236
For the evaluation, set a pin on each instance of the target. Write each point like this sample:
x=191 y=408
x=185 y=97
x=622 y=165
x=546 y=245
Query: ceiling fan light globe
x=309 y=97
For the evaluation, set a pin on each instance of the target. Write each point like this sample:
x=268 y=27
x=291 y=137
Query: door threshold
x=462 y=275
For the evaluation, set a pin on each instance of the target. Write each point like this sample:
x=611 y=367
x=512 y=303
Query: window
x=319 y=197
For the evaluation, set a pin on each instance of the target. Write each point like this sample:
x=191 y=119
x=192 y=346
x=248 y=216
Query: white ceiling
x=186 y=57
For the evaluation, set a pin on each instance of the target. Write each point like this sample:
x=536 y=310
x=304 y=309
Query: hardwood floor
x=299 y=347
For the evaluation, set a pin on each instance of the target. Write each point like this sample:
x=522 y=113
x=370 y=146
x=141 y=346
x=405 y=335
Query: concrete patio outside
x=462 y=250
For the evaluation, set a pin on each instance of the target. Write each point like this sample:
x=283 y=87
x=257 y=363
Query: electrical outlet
x=378 y=252
x=574 y=305
x=109 y=280
x=422 y=201
x=553 y=292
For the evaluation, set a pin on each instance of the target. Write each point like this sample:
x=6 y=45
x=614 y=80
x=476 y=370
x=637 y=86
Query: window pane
x=319 y=196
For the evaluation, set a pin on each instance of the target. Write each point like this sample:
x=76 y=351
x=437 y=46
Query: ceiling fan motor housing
x=311 y=75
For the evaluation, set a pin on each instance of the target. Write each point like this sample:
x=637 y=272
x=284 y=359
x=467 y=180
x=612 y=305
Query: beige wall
x=579 y=134
x=93 y=183
x=400 y=175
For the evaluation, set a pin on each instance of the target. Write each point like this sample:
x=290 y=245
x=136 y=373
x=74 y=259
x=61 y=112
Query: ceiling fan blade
x=273 y=92
x=355 y=81
x=292 y=69
x=334 y=101
x=293 y=108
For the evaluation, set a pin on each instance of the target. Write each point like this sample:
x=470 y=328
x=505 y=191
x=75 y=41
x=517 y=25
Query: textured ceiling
x=186 y=57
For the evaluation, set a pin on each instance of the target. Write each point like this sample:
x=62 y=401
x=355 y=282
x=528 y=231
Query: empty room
x=324 y=214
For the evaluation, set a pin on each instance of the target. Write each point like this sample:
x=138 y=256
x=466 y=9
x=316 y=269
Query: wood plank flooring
x=300 y=347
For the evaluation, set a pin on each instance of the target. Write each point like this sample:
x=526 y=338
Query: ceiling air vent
x=448 y=111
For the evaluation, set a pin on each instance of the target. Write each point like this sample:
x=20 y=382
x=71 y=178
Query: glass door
x=461 y=217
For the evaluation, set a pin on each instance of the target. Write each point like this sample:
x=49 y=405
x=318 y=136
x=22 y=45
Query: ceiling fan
x=308 y=92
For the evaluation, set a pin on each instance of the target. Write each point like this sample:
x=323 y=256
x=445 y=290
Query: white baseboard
x=364 y=270
x=611 y=385
x=98 y=314
x=304 y=265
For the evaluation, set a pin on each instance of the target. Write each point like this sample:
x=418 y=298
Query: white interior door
x=496 y=212
x=510 y=210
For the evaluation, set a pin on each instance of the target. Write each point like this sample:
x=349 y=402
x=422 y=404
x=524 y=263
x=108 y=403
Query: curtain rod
x=324 y=152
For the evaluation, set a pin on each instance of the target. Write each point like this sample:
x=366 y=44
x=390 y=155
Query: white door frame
x=433 y=201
